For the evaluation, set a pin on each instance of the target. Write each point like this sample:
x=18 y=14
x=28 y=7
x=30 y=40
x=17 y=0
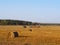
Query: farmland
x=43 y=35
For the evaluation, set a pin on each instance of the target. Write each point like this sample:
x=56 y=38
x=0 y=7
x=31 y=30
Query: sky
x=44 y=11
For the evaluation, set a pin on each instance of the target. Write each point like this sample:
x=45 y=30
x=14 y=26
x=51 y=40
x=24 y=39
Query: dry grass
x=45 y=35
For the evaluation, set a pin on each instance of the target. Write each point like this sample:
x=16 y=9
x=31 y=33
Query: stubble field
x=43 y=35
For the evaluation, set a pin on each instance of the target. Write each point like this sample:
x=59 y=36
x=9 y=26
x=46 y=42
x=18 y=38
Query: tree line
x=14 y=22
x=17 y=22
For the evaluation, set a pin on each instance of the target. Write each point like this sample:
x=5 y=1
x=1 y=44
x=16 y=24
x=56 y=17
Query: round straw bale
x=13 y=34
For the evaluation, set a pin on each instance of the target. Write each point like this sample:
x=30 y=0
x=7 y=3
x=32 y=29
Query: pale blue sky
x=31 y=10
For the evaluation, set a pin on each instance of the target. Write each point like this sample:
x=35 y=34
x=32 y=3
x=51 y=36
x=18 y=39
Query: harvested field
x=45 y=35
